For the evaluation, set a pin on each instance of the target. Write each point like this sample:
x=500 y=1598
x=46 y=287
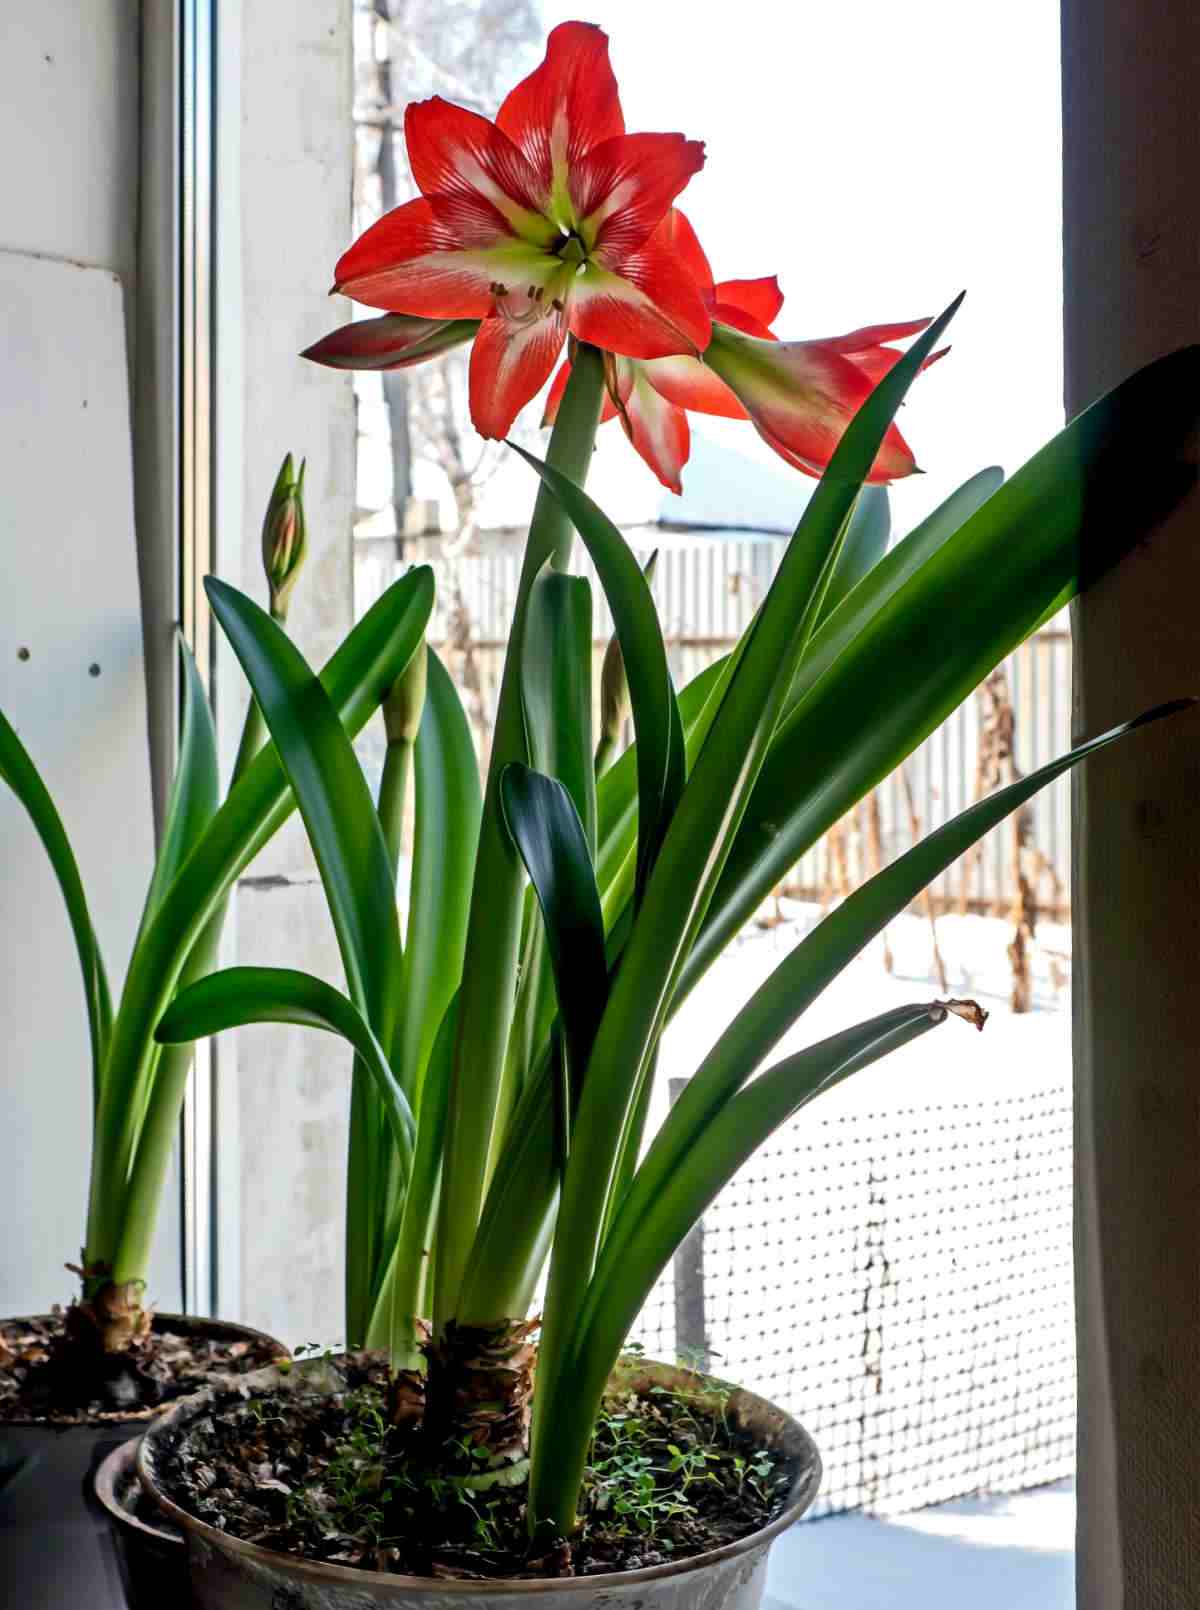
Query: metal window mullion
x=195 y=302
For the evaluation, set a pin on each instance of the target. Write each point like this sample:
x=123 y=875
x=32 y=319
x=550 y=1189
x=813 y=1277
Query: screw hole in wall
x=22 y=652
x=93 y=669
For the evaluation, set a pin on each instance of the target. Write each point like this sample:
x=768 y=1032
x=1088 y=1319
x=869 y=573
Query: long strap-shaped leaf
x=556 y=688
x=497 y=895
x=447 y=805
x=239 y=996
x=195 y=788
x=356 y=678
x=191 y=805
x=1071 y=512
x=816 y=961
x=863 y=546
x=22 y=776
x=620 y=1287
x=843 y=618
x=694 y=850
x=508 y=1250
x=616 y=792
x=352 y=857
x=335 y=802
x=503 y=1265
x=660 y=754
x=546 y=829
x=397 y=1306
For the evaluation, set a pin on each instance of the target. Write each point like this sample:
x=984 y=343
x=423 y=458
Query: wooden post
x=1132 y=266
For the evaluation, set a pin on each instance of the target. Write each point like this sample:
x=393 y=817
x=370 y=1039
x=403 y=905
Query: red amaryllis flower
x=650 y=397
x=801 y=395
x=538 y=224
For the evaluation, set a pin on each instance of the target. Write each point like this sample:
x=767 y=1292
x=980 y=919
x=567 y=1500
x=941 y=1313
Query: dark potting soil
x=43 y=1377
x=323 y=1475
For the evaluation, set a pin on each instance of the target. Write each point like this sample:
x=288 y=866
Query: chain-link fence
x=902 y=1283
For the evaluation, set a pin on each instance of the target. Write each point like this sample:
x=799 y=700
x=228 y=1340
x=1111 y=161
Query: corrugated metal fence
x=707 y=587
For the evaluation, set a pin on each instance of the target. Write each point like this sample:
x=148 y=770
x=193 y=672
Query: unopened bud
x=284 y=536
x=406 y=700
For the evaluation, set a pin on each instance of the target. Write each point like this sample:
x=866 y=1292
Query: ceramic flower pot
x=229 y=1574
x=150 y=1553
x=56 y=1541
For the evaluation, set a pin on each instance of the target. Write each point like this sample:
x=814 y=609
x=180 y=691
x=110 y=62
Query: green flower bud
x=614 y=686
x=406 y=700
x=284 y=536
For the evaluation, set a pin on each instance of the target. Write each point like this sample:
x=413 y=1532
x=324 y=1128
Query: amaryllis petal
x=643 y=309
x=408 y=263
x=689 y=383
x=761 y=299
x=677 y=236
x=876 y=361
x=801 y=395
x=893 y=462
x=872 y=335
x=486 y=185
x=658 y=430
x=621 y=190
x=565 y=106
x=555 y=396
x=395 y=341
x=510 y=363
x=737 y=319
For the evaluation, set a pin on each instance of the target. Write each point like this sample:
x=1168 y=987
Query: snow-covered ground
x=1014 y=1053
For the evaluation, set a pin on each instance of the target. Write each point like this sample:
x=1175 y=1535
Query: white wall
x=69 y=131
x=68 y=191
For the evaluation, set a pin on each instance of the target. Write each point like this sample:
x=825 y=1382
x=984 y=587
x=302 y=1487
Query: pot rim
x=104 y=1484
x=804 y=1490
x=171 y=1324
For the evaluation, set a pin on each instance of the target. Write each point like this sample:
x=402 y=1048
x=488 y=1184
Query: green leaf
x=195 y=788
x=621 y=1285
x=616 y=791
x=335 y=802
x=1064 y=518
x=509 y=1248
x=660 y=752
x=22 y=776
x=546 y=829
x=352 y=857
x=356 y=679
x=863 y=546
x=689 y=862
x=839 y=625
x=239 y=996
x=842 y=624
x=497 y=896
x=817 y=960
x=556 y=688
x=393 y=1323
x=448 y=803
